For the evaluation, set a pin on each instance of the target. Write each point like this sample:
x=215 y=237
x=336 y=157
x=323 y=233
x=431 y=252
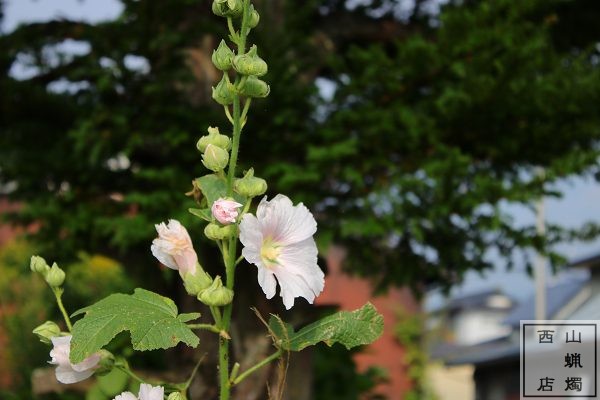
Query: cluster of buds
x=54 y=276
x=214 y=148
x=248 y=65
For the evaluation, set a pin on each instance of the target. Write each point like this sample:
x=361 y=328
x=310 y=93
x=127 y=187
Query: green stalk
x=225 y=384
x=256 y=367
x=58 y=295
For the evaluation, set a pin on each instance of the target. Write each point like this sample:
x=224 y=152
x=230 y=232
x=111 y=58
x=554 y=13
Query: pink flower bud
x=173 y=247
x=65 y=371
x=225 y=211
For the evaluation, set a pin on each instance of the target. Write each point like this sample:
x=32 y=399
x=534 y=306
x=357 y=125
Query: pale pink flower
x=65 y=371
x=173 y=247
x=279 y=241
x=225 y=211
x=147 y=392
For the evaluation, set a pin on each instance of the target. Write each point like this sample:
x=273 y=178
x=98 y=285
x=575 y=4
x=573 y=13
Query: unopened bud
x=223 y=92
x=106 y=363
x=215 y=138
x=176 y=396
x=254 y=17
x=195 y=283
x=250 y=63
x=254 y=87
x=222 y=57
x=216 y=232
x=215 y=158
x=46 y=331
x=227 y=8
x=250 y=186
x=55 y=277
x=39 y=265
x=216 y=294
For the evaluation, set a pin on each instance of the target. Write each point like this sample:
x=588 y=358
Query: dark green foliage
x=430 y=129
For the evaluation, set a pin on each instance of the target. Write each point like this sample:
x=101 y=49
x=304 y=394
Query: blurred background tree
x=404 y=129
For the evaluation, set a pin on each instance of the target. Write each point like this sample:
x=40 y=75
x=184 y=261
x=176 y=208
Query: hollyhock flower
x=225 y=211
x=147 y=392
x=65 y=371
x=173 y=247
x=279 y=241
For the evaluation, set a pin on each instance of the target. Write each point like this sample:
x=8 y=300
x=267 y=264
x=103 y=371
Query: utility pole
x=540 y=259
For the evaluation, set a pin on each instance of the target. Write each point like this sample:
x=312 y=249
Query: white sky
x=581 y=200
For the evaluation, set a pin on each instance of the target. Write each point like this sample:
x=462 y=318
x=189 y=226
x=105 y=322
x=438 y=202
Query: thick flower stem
x=230 y=252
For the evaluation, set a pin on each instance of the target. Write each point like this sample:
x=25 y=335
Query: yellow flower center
x=269 y=253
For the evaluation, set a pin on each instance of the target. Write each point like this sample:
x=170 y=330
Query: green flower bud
x=215 y=138
x=217 y=232
x=39 y=265
x=216 y=294
x=215 y=158
x=250 y=186
x=250 y=63
x=227 y=8
x=255 y=87
x=55 y=277
x=254 y=17
x=106 y=363
x=176 y=396
x=46 y=331
x=222 y=57
x=195 y=283
x=223 y=93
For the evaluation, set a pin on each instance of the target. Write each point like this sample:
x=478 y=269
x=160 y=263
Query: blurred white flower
x=225 y=211
x=173 y=247
x=147 y=392
x=65 y=371
x=279 y=241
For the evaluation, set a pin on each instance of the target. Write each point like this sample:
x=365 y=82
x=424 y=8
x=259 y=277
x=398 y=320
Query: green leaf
x=203 y=213
x=349 y=328
x=151 y=319
x=212 y=188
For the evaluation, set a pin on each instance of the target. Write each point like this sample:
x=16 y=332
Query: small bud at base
x=47 y=331
x=216 y=295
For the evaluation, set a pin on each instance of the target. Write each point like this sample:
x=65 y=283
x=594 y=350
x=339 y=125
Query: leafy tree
x=436 y=121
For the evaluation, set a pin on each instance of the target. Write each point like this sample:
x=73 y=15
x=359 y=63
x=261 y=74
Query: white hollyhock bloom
x=65 y=371
x=147 y=392
x=173 y=247
x=279 y=241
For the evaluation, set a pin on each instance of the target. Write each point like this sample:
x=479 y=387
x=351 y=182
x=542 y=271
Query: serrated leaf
x=203 y=213
x=349 y=328
x=151 y=319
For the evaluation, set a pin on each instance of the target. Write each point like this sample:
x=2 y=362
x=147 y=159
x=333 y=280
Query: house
x=496 y=362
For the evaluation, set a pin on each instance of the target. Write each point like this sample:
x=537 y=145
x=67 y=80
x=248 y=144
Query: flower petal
x=149 y=392
x=126 y=396
x=266 y=280
x=292 y=286
x=66 y=374
x=284 y=222
x=301 y=259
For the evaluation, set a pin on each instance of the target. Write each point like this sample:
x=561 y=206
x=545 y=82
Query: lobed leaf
x=151 y=319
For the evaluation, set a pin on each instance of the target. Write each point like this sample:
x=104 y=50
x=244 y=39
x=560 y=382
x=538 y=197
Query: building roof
x=557 y=296
x=490 y=352
x=586 y=262
x=474 y=300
